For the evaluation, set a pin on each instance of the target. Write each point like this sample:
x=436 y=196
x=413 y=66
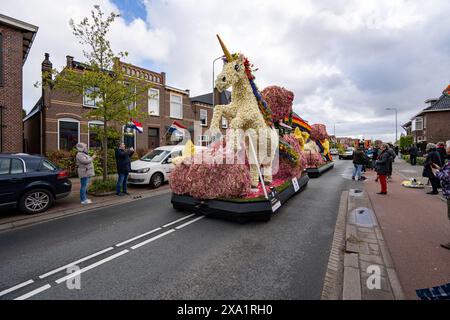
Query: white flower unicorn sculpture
x=248 y=112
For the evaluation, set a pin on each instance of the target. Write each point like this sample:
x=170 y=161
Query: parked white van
x=154 y=167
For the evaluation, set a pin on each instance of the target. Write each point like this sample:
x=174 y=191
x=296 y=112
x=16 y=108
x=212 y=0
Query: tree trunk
x=105 y=151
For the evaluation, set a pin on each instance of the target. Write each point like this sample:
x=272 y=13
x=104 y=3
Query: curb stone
x=53 y=215
x=359 y=247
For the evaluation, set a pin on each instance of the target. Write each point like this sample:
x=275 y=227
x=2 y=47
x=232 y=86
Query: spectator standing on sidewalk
x=85 y=164
x=413 y=155
x=391 y=153
x=358 y=162
x=123 y=163
x=440 y=148
x=432 y=159
x=443 y=174
x=376 y=152
x=382 y=167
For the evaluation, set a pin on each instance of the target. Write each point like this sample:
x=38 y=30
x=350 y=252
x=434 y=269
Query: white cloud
x=346 y=61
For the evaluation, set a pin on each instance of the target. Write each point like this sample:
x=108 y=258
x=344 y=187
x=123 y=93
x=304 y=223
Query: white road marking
x=187 y=223
x=20 y=285
x=92 y=266
x=152 y=239
x=137 y=237
x=169 y=224
x=75 y=262
x=33 y=293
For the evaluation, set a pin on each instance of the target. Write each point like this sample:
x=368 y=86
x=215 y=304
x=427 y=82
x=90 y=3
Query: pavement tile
x=395 y=284
x=352 y=284
x=351 y=260
x=371 y=258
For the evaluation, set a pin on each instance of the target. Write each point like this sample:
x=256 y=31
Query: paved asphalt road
x=284 y=258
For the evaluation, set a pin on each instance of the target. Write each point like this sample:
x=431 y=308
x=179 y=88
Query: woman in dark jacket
x=443 y=174
x=440 y=148
x=432 y=158
x=123 y=163
x=382 y=167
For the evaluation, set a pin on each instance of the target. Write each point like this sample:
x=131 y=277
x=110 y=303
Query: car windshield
x=155 y=156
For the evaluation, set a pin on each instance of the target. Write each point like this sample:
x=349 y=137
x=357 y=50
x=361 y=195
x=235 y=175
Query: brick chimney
x=69 y=61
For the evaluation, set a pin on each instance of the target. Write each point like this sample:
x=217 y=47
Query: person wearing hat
x=85 y=164
x=432 y=159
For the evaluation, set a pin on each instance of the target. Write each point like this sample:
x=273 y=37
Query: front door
x=153 y=138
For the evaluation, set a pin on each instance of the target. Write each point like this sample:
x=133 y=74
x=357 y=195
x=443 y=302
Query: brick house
x=16 y=39
x=432 y=124
x=203 y=108
x=58 y=122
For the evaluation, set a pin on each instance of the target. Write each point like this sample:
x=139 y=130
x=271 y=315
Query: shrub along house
x=16 y=38
x=432 y=124
x=58 y=122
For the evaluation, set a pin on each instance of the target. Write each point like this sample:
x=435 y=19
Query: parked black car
x=31 y=182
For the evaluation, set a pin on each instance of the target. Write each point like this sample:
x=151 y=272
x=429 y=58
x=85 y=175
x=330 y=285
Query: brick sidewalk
x=71 y=205
x=407 y=171
x=413 y=224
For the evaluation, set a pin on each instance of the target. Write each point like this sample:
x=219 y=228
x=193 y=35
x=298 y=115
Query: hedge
x=66 y=160
x=420 y=160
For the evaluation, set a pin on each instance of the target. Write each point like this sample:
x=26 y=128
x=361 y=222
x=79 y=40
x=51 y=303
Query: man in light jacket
x=85 y=164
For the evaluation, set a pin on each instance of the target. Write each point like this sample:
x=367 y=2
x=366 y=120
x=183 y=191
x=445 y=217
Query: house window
x=203 y=117
x=153 y=102
x=94 y=140
x=224 y=123
x=203 y=140
x=176 y=106
x=129 y=137
x=419 y=123
x=132 y=93
x=91 y=98
x=1 y=60
x=68 y=134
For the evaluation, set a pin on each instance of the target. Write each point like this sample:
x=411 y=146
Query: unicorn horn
x=225 y=50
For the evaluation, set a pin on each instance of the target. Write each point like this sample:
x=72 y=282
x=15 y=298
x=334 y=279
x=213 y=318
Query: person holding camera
x=123 y=163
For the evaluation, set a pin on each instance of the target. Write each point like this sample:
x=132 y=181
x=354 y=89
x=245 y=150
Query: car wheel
x=36 y=201
x=156 y=180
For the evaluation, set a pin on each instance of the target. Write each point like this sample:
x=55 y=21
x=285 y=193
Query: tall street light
x=396 y=112
x=213 y=85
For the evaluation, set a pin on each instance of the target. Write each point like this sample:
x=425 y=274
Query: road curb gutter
x=332 y=288
x=31 y=220
x=360 y=266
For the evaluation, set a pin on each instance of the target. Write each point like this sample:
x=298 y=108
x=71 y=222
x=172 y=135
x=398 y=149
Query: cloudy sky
x=346 y=61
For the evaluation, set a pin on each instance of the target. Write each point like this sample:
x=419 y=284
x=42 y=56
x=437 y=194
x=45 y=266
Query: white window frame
x=181 y=106
x=205 y=113
x=123 y=137
x=151 y=97
x=226 y=123
x=203 y=138
x=97 y=122
x=96 y=100
x=420 y=121
x=67 y=120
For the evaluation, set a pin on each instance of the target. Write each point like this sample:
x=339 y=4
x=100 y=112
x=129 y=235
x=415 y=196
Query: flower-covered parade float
x=261 y=161
x=318 y=151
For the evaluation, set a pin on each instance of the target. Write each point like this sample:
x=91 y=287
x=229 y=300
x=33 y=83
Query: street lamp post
x=396 y=112
x=214 y=61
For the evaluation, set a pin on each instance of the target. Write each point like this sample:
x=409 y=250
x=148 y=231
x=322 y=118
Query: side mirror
x=169 y=160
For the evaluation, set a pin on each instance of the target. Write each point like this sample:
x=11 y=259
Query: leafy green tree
x=405 y=142
x=117 y=96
